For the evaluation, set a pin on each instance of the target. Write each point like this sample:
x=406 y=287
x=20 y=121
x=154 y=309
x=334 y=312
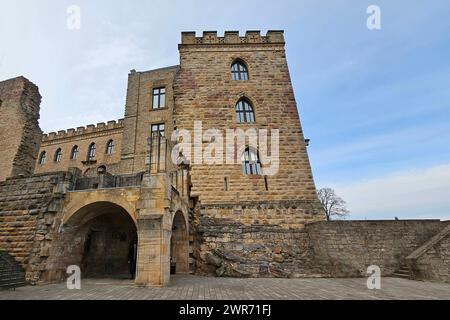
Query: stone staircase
x=11 y=273
x=404 y=271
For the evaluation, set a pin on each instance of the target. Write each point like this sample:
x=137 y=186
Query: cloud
x=375 y=144
x=113 y=52
x=416 y=194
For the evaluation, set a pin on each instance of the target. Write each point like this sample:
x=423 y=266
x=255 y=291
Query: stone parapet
x=79 y=131
x=232 y=37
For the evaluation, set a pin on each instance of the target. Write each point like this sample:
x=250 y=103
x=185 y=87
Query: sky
x=375 y=103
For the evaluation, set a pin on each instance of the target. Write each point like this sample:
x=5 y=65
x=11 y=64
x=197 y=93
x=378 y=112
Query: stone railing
x=108 y=181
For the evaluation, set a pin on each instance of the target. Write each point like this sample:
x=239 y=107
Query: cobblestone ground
x=201 y=288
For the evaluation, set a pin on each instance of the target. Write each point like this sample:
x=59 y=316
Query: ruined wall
x=27 y=210
x=20 y=134
x=347 y=248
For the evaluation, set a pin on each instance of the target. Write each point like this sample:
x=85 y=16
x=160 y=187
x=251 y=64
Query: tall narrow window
x=110 y=147
x=159 y=98
x=251 y=164
x=43 y=157
x=225 y=184
x=92 y=152
x=239 y=71
x=74 y=153
x=157 y=148
x=58 y=155
x=244 y=112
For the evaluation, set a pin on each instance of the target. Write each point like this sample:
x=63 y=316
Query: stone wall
x=226 y=247
x=254 y=239
x=347 y=248
x=435 y=263
x=27 y=210
x=432 y=260
x=20 y=134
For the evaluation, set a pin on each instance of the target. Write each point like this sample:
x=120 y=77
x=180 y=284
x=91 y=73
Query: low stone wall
x=347 y=248
x=27 y=210
x=225 y=247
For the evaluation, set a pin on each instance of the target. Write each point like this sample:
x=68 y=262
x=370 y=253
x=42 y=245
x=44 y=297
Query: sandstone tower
x=235 y=82
x=20 y=135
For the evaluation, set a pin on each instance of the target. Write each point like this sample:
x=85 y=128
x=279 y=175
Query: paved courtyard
x=202 y=288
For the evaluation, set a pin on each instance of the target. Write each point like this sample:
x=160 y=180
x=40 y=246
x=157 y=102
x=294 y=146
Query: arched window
x=251 y=164
x=58 y=155
x=92 y=151
x=43 y=157
x=244 y=112
x=110 y=147
x=74 y=153
x=239 y=71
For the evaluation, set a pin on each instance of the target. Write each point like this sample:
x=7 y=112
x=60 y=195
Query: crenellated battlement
x=91 y=128
x=232 y=37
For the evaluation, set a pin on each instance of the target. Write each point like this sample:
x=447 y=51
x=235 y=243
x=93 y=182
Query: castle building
x=136 y=197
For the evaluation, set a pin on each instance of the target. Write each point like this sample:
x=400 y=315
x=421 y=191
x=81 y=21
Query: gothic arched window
x=92 y=151
x=43 y=157
x=110 y=147
x=74 y=153
x=239 y=71
x=251 y=165
x=244 y=112
x=58 y=155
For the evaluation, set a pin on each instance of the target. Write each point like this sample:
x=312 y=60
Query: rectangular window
x=159 y=98
x=158 y=130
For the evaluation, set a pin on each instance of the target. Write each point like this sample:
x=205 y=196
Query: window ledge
x=159 y=109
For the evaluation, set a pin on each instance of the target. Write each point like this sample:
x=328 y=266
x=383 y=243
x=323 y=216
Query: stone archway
x=179 y=245
x=99 y=238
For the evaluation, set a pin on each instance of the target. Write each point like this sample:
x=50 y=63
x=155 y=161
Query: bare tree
x=333 y=205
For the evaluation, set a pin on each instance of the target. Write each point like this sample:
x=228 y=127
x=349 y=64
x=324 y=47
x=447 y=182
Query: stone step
x=11 y=273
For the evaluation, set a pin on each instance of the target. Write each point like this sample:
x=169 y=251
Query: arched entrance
x=104 y=241
x=179 y=246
